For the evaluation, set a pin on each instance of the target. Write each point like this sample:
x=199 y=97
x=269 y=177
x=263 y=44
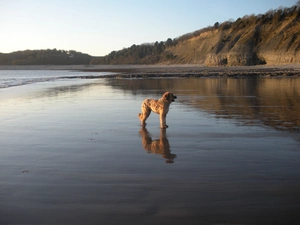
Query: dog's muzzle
x=174 y=97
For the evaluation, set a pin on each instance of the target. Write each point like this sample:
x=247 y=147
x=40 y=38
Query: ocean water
x=11 y=78
x=73 y=152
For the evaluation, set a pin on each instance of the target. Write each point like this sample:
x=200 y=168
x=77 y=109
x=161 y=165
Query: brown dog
x=160 y=106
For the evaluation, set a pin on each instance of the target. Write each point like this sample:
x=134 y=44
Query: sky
x=97 y=27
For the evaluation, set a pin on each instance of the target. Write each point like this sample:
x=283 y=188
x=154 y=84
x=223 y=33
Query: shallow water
x=12 y=78
x=73 y=152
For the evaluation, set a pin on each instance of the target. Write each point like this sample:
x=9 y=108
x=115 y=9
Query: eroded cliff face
x=272 y=38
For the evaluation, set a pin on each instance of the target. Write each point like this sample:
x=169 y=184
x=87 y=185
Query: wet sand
x=73 y=152
x=185 y=70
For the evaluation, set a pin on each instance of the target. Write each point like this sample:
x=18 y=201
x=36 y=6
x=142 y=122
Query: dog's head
x=170 y=97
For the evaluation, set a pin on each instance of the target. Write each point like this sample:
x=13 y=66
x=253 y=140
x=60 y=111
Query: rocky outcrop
x=272 y=38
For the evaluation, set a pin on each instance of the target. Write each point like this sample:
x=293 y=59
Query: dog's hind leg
x=144 y=115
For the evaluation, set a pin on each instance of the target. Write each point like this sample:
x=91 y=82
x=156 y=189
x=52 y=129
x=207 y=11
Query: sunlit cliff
x=271 y=38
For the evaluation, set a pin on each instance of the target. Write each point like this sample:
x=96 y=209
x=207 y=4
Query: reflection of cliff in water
x=272 y=101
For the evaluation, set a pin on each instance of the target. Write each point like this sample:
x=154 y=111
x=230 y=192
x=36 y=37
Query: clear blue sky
x=99 y=27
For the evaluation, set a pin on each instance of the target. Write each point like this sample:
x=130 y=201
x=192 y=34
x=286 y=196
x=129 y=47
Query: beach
x=73 y=151
x=184 y=70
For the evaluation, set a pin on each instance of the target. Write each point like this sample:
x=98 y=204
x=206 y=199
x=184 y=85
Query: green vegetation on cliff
x=45 y=57
x=137 y=54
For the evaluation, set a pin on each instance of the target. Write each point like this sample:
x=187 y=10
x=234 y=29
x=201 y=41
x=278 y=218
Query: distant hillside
x=271 y=38
x=44 y=57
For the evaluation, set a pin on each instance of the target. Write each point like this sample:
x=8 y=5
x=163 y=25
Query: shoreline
x=185 y=70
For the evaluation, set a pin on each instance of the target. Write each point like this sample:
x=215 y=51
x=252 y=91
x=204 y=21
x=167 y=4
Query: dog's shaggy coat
x=159 y=106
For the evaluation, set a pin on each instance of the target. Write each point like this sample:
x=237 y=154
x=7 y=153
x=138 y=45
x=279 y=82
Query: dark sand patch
x=187 y=70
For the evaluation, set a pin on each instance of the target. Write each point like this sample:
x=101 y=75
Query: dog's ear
x=167 y=96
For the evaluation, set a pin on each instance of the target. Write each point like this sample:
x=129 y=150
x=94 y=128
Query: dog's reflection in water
x=159 y=146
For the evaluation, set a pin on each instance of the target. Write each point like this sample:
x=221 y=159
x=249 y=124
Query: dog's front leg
x=163 y=121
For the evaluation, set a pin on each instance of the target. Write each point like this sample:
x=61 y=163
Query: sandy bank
x=187 y=70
